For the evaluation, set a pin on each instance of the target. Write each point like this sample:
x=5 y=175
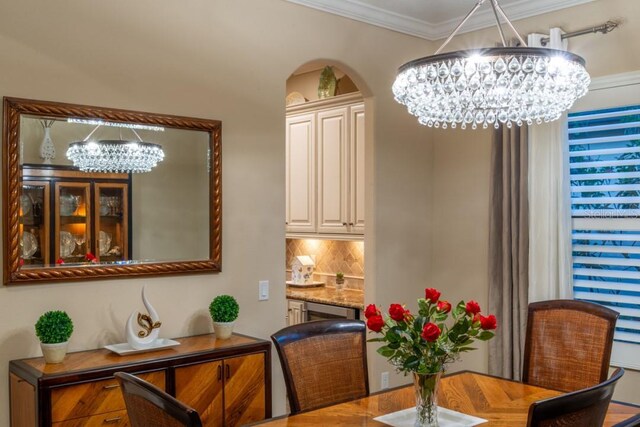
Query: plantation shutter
x=604 y=156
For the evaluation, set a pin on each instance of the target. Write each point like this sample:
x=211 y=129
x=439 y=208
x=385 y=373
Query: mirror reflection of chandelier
x=115 y=156
x=489 y=86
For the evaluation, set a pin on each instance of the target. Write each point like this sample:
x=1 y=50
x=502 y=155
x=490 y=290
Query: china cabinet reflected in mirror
x=89 y=214
x=68 y=220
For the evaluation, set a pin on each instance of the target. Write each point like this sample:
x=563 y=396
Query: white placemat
x=446 y=418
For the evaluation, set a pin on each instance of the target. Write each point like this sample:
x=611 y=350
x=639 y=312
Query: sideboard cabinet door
x=239 y=382
x=200 y=386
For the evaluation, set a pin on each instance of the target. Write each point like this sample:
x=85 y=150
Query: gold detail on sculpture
x=146 y=323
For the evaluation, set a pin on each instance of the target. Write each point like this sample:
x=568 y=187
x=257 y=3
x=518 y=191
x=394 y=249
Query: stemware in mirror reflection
x=114 y=205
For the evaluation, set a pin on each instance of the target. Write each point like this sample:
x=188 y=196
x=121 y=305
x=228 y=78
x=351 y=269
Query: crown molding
x=360 y=11
x=615 y=80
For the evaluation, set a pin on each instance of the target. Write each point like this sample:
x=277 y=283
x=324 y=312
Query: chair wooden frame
x=544 y=411
x=307 y=330
x=608 y=315
x=132 y=385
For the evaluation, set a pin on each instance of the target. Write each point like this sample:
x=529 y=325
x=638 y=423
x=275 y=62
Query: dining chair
x=631 y=422
x=582 y=408
x=147 y=405
x=324 y=362
x=568 y=344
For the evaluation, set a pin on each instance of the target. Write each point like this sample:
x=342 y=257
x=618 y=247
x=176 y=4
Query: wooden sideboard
x=227 y=381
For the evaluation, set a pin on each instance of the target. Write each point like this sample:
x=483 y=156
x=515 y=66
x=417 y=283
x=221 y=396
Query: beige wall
x=226 y=60
x=229 y=60
x=461 y=160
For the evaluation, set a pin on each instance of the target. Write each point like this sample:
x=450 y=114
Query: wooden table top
x=501 y=402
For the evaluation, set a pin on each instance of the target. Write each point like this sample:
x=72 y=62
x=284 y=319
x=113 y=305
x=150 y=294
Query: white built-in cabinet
x=325 y=167
x=296 y=312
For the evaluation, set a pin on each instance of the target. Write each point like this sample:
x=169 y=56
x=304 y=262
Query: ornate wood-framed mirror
x=138 y=195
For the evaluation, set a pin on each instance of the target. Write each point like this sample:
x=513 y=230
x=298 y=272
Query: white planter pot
x=223 y=330
x=54 y=353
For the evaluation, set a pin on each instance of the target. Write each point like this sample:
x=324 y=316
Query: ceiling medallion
x=490 y=86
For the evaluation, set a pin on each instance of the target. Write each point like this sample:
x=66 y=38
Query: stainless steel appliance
x=304 y=311
x=316 y=311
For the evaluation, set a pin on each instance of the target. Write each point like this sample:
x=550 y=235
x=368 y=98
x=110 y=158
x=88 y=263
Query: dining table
x=500 y=401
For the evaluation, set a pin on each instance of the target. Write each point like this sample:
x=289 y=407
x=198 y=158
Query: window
x=604 y=156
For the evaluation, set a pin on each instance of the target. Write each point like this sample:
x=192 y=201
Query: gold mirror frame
x=11 y=190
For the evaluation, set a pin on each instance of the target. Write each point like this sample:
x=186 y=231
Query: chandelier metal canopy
x=490 y=86
x=116 y=156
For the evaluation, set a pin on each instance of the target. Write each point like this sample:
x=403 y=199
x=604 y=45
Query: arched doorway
x=325 y=179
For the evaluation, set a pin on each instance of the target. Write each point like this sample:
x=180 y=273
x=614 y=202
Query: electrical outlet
x=263 y=290
x=384 y=380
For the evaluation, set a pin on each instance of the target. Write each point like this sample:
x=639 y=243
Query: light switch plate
x=263 y=290
x=384 y=380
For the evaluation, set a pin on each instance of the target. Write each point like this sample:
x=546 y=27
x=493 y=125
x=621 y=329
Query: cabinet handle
x=114 y=420
x=351 y=224
x=219 y=372
x=344 y=224
x=110 y=386
x=228 y=371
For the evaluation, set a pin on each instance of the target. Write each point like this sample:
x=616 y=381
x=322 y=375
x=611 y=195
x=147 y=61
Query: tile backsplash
x=330 y=257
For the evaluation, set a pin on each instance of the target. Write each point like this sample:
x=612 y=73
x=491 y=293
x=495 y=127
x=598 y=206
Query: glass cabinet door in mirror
x=71 y=219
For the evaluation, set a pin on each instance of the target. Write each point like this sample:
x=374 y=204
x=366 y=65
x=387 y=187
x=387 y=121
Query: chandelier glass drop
x=116 y=156
x=490 y=86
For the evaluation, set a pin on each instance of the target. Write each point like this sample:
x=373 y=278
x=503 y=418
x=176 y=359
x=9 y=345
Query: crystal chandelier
x=490 y=86
x=117 y=156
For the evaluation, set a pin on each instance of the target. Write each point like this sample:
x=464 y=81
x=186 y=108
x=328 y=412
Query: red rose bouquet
x=426 y=342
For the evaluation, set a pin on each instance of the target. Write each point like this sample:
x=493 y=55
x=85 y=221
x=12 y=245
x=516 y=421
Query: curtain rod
x=605 y=28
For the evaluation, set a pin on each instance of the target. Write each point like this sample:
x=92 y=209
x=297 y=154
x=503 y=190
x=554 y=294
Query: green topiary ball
x=54 y=327
x=224 y=308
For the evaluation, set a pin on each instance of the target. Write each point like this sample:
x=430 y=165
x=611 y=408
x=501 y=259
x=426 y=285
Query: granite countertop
x=350 y=298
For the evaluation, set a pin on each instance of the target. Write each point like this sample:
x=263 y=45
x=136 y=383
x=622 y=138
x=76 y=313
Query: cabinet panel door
x=332 y=171
x=296 y=312
x=34 y=224
x=356 y=170
x=72 y=231
x=200 y=386
x=244 y=390
x=112 y=220
x=300 y=173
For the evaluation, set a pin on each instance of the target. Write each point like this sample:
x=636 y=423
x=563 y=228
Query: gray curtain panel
x=509 y=250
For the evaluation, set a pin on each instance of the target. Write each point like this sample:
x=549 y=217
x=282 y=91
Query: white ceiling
x=432 y=19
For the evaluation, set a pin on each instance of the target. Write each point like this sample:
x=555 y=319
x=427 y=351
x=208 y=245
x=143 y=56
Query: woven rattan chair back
x=582 y=408
x=324 y=362
x=147 y=405
x=568 y=344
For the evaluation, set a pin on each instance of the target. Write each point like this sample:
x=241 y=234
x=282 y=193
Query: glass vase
x=426 y=389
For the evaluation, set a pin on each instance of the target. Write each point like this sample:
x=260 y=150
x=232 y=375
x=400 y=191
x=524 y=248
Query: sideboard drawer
x=115 y=418
x=92 y=398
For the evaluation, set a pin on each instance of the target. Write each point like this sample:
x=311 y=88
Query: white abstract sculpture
x=150 y=324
